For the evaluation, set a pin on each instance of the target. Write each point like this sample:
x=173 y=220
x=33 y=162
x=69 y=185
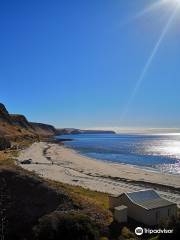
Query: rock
x=27 y=161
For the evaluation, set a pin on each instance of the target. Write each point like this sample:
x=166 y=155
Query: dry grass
x=95 y=204
x=6 y=160
x=98 y=198
x=7 y=157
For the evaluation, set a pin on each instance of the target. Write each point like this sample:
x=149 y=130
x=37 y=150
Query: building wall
x=161 y=214
x=140 y=214
x=120 y=215
x=134 y=211
x=113 y=202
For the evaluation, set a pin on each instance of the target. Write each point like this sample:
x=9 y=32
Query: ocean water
x=155 y=152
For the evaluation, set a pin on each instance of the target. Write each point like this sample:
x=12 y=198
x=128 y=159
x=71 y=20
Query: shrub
x=174 y=224
x=127 y=234
x=154 y=238
x=66 y=226
x=4 y=143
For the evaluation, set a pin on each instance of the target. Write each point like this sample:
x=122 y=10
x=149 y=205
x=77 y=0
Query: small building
x=145 y=206
x=120 y=214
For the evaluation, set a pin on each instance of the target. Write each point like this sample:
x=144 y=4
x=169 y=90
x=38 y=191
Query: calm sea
x=156 y=152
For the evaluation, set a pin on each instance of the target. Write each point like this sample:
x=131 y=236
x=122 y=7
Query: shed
x=145 y=206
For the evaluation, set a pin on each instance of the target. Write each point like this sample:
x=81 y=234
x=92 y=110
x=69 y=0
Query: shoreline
x=145 y=168
x=142 y=167
x=60 y=163
x=149 y=169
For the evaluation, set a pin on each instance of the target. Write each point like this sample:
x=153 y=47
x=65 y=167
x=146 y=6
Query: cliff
x=43 y=129
x=4 y=115
x=21 y=121
x=15 y=126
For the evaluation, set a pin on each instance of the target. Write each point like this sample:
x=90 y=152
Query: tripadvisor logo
x=139 y=231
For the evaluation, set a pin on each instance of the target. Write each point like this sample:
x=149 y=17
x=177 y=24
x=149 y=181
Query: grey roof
x=148 y=199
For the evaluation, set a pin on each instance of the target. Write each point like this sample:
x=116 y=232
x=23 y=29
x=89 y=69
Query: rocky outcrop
x=4 y=115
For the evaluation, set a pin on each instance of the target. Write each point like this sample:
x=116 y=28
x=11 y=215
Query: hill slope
x=14 y=126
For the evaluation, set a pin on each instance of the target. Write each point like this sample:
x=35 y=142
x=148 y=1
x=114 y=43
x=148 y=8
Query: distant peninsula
x=79 y=131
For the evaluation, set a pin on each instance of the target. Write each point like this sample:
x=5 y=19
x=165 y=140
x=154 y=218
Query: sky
x=91 y=63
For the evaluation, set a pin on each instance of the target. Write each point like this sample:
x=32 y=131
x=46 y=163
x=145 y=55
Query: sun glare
x=176 y=2
x=157 y=5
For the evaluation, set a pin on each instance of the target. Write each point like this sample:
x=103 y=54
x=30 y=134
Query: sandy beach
x=56 y=162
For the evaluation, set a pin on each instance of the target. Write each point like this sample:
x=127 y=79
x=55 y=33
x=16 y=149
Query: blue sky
x=76 y=63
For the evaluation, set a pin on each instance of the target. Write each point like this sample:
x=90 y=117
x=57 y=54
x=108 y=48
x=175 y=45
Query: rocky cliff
x=4 y=115
x=21 y=121
x=14 y=126
x=43 y=129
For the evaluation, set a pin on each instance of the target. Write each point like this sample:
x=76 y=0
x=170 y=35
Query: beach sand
x=56 y=162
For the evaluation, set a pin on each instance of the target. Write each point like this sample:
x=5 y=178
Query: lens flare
x=154 y=50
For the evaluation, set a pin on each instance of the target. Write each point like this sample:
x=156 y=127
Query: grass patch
x=101 y=199
x=6 y=159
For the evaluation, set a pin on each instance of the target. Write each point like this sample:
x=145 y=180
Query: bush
x=154 y=238
x=127 y=234
x=174 y=224
x=66 y=226
x=4 y=143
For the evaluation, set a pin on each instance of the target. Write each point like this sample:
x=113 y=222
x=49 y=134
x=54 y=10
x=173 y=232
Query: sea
x=155 y=152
